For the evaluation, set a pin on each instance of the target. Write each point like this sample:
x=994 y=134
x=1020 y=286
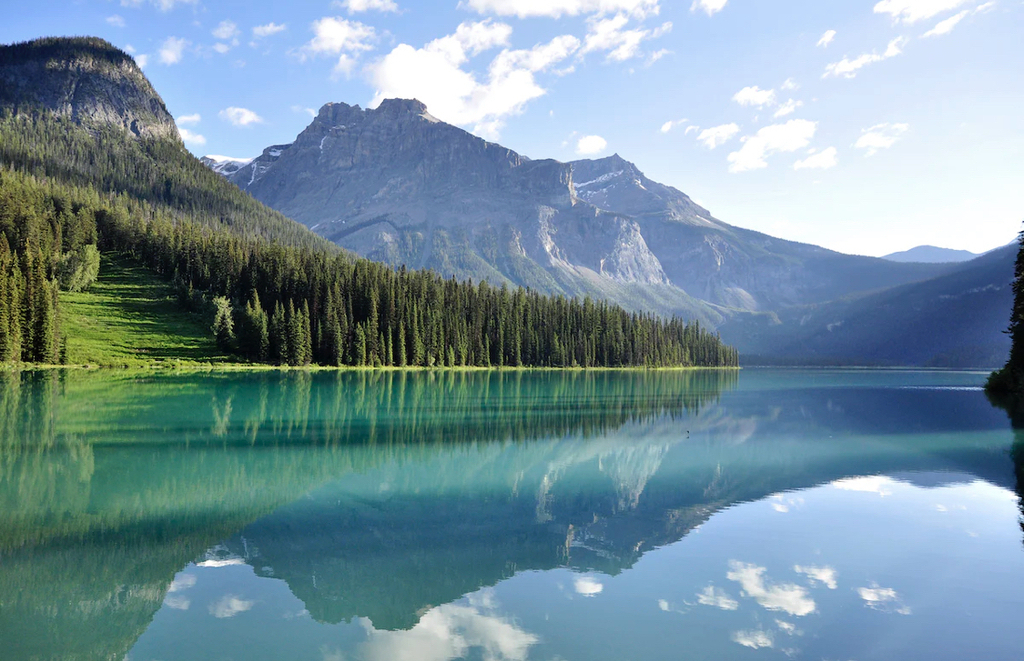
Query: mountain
x=931 y=255
x=85 y=80
x=397 y=185
x=81 y=112
x=224 y=165
x=954 y=320
x=94 y=164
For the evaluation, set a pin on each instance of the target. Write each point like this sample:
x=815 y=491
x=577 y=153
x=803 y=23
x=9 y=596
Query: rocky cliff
x=397 y=185
x=86 y=80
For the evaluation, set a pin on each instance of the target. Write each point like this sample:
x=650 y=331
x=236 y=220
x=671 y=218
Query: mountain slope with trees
x=102 y=172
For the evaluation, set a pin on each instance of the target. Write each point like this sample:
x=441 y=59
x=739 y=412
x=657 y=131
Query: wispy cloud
x=789 y=137
x=172 y=50
x=848 y=68
x=240 y=116
x=590 y=145
x=718 y=135
x=872 y=140
x=827 y=38
x=709 y=7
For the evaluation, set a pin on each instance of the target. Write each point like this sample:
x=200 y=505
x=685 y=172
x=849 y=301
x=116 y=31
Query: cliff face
x=86 y=80
x=397 y=185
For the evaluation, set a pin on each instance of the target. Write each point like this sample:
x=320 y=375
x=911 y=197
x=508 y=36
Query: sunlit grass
x=131 y=318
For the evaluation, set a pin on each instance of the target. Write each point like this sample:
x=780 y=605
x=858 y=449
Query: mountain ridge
x=396 y=185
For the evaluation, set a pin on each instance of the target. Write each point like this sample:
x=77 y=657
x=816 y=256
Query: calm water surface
x=848 y=515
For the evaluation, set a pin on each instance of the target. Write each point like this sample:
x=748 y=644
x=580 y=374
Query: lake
x=764 y=514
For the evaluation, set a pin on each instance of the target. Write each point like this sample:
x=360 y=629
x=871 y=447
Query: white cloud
x=162 y=5
x=883 y=599
x=339 y=37
x=229 y=606
x=822 y=160
x=788 y=108
x=116 y=21
x=874 y=139
x=221 y=48
x=657 y=55
x=171 y=50
x=879 y=484
x=334 y=35
x=946 y=26
x=225 y=562
x=753 y=639
x=754 y=96
x=188 y=119
x=827 y=38
x=355 y=6
x=240 y=117
x=609 y=34
x=789 y=85
x=671 y=124
x=558 y=8
x=710 y=7
x=587 y=586
x=825 y=575
x=450 y=632
x=789 y=137
x=177 y=602
x=589 y=145
x=225 y=30
x=434 y=75
x=718 y=135
x=789 y=598
x=911 y=11
x=266 y=30
x=182 y=582
x=691 y=129
x=309 y=111
x=142 y=60
x=848 y=68
x=712 y=596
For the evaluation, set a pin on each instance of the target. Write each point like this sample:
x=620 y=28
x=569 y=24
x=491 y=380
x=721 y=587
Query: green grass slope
x=131 y=318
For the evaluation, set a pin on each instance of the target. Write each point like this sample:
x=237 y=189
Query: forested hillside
x=72 y=182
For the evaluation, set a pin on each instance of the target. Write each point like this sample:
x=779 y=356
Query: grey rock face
x=397 y=185
x=726 y=265
x=84 y=79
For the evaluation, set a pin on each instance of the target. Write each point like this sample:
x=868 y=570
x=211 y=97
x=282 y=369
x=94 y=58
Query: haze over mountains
x=396 y=185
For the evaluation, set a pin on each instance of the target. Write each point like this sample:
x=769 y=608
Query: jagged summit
x=85 y=79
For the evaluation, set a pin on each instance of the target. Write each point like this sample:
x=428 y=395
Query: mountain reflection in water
x=398 y=500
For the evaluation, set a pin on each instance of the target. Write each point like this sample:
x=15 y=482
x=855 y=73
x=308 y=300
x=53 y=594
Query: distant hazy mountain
x=931 y=255
x=954 y=320
x=397 y=185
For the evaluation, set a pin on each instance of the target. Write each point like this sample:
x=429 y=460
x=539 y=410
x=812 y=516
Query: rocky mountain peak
x=396 y=153
x=84 y=79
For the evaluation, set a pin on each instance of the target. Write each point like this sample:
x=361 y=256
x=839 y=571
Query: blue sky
x=864 y=126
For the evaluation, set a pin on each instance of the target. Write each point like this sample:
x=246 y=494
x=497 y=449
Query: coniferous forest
x=272 y=290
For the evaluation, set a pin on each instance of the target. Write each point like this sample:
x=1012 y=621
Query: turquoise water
x=509 y=516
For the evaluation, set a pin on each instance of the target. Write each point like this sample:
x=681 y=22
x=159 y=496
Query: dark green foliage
x=254 y=339
x=223 y=323
x=1010 y=379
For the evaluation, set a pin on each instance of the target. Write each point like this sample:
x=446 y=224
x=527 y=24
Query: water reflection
x=389 y=508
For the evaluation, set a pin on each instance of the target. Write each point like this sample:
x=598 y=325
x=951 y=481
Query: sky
x=864 y=126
